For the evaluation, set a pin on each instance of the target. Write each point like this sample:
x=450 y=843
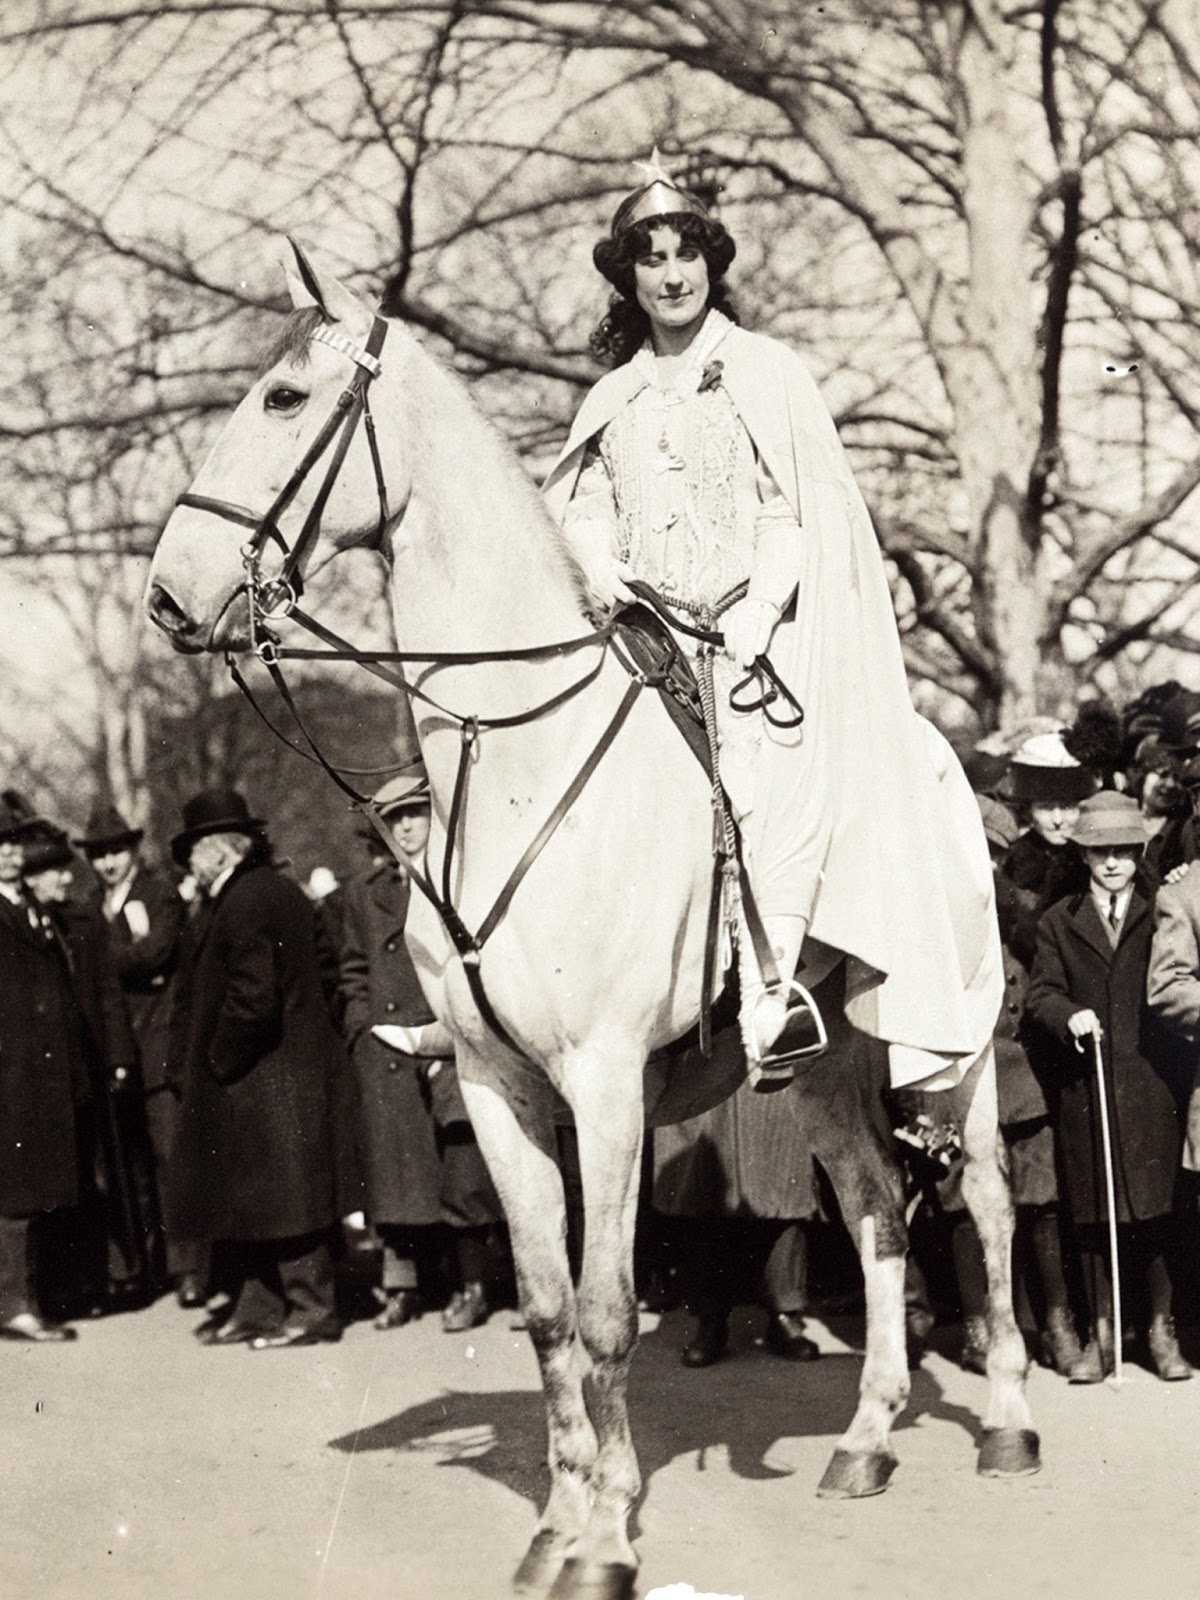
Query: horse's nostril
x=165 y=611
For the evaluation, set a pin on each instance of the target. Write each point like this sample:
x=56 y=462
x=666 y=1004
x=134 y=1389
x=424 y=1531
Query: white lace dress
x=673 y=487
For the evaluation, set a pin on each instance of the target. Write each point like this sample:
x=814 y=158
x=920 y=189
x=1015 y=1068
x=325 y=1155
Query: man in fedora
x=43 y=1081
x=253 y=1054
x=145 y=917
x=422 y=1165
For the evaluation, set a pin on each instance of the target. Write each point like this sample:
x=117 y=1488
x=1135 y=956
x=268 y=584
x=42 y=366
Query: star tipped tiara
x=659 y=196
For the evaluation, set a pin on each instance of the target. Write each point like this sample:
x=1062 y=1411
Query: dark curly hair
x=624 y=327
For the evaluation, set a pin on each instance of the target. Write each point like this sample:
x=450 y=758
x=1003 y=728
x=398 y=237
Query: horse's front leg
x=867 y=1181
x=605 y=1089
x=518 y=1144
x=1010 y=1444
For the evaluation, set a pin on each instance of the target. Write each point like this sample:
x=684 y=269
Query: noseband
x=276 y=597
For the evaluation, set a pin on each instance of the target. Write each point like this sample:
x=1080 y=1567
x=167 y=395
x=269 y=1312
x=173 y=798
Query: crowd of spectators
x=1092 y=828
x=213 y=1083
x=217 y=1085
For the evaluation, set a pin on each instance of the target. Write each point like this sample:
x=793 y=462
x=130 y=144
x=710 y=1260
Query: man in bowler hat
x=253 y=1055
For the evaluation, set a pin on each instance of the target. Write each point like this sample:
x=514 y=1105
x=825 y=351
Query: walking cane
x=1110 y=1190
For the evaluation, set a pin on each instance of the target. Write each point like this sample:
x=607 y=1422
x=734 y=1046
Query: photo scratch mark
x=337 y=1510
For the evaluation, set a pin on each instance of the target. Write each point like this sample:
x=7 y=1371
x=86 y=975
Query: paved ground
x=406 y=1464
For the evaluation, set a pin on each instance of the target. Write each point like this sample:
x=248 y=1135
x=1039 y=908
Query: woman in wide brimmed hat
x=106 y=1255
x=1047 y=785
x=1040 y=1243
x=707 y=464
x=43 y=1086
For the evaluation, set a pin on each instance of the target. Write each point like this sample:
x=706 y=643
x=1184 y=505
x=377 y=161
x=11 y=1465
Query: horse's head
x=294 y=478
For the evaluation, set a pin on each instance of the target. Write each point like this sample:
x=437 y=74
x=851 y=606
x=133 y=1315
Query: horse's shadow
x=743 y=1407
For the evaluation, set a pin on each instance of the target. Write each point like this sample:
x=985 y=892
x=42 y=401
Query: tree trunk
x=993 y=375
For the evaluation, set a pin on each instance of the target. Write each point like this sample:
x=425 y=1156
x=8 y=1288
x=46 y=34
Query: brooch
x=711 y=376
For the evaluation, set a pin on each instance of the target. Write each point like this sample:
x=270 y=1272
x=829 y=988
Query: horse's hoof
x=540 y=1565
x=855 y=1474
x=1009 y=1453
x=594 y=1580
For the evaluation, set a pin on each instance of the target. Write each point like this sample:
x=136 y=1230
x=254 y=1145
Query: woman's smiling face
x=671 y=280
x=1054 y=822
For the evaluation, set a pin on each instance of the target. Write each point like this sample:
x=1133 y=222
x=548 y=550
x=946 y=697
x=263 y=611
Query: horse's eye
x=284 y=398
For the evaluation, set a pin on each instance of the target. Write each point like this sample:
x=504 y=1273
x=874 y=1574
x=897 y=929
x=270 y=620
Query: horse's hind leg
x=866 y=1179
x=1010 y=1445
x=519 y=1147
x=605 y=1089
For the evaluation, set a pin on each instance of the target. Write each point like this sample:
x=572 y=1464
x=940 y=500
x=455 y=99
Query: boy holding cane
x=1088 y=984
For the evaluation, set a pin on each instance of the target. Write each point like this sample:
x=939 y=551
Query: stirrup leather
x=801 y=1038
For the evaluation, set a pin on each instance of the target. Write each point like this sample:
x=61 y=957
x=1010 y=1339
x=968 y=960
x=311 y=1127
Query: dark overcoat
x=43 y=1067
x=145 y=963
x=107 y=1030
x=123 y=1159
x=1042 y=874
x=1076 y=968
x=258 y=1063
x=401 y=1105
x=1019 y=1090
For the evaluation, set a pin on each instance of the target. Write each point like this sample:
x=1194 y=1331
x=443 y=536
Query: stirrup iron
x=802 y=1037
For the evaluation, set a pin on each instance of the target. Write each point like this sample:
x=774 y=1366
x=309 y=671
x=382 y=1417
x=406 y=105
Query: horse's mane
x=518 y=478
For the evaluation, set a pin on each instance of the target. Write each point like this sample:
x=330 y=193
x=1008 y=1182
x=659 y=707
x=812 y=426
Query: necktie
x=1112 y=911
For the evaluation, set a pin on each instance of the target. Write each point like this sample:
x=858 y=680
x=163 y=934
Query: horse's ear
x=316 y=285
x=302 y=283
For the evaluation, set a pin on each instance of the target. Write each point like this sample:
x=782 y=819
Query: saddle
x=651 y=646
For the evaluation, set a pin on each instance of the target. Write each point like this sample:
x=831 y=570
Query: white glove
x=398 y=1037
x=609 y=583
x=748 y=627
x=431 y=1039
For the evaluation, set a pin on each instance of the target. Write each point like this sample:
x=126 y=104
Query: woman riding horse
x=549 y=761
x=707 y=464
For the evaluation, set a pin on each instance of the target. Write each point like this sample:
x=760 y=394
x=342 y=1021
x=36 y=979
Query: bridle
x=277 y=597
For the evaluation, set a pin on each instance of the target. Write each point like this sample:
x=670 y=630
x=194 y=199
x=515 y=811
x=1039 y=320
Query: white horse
x=597 y=959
